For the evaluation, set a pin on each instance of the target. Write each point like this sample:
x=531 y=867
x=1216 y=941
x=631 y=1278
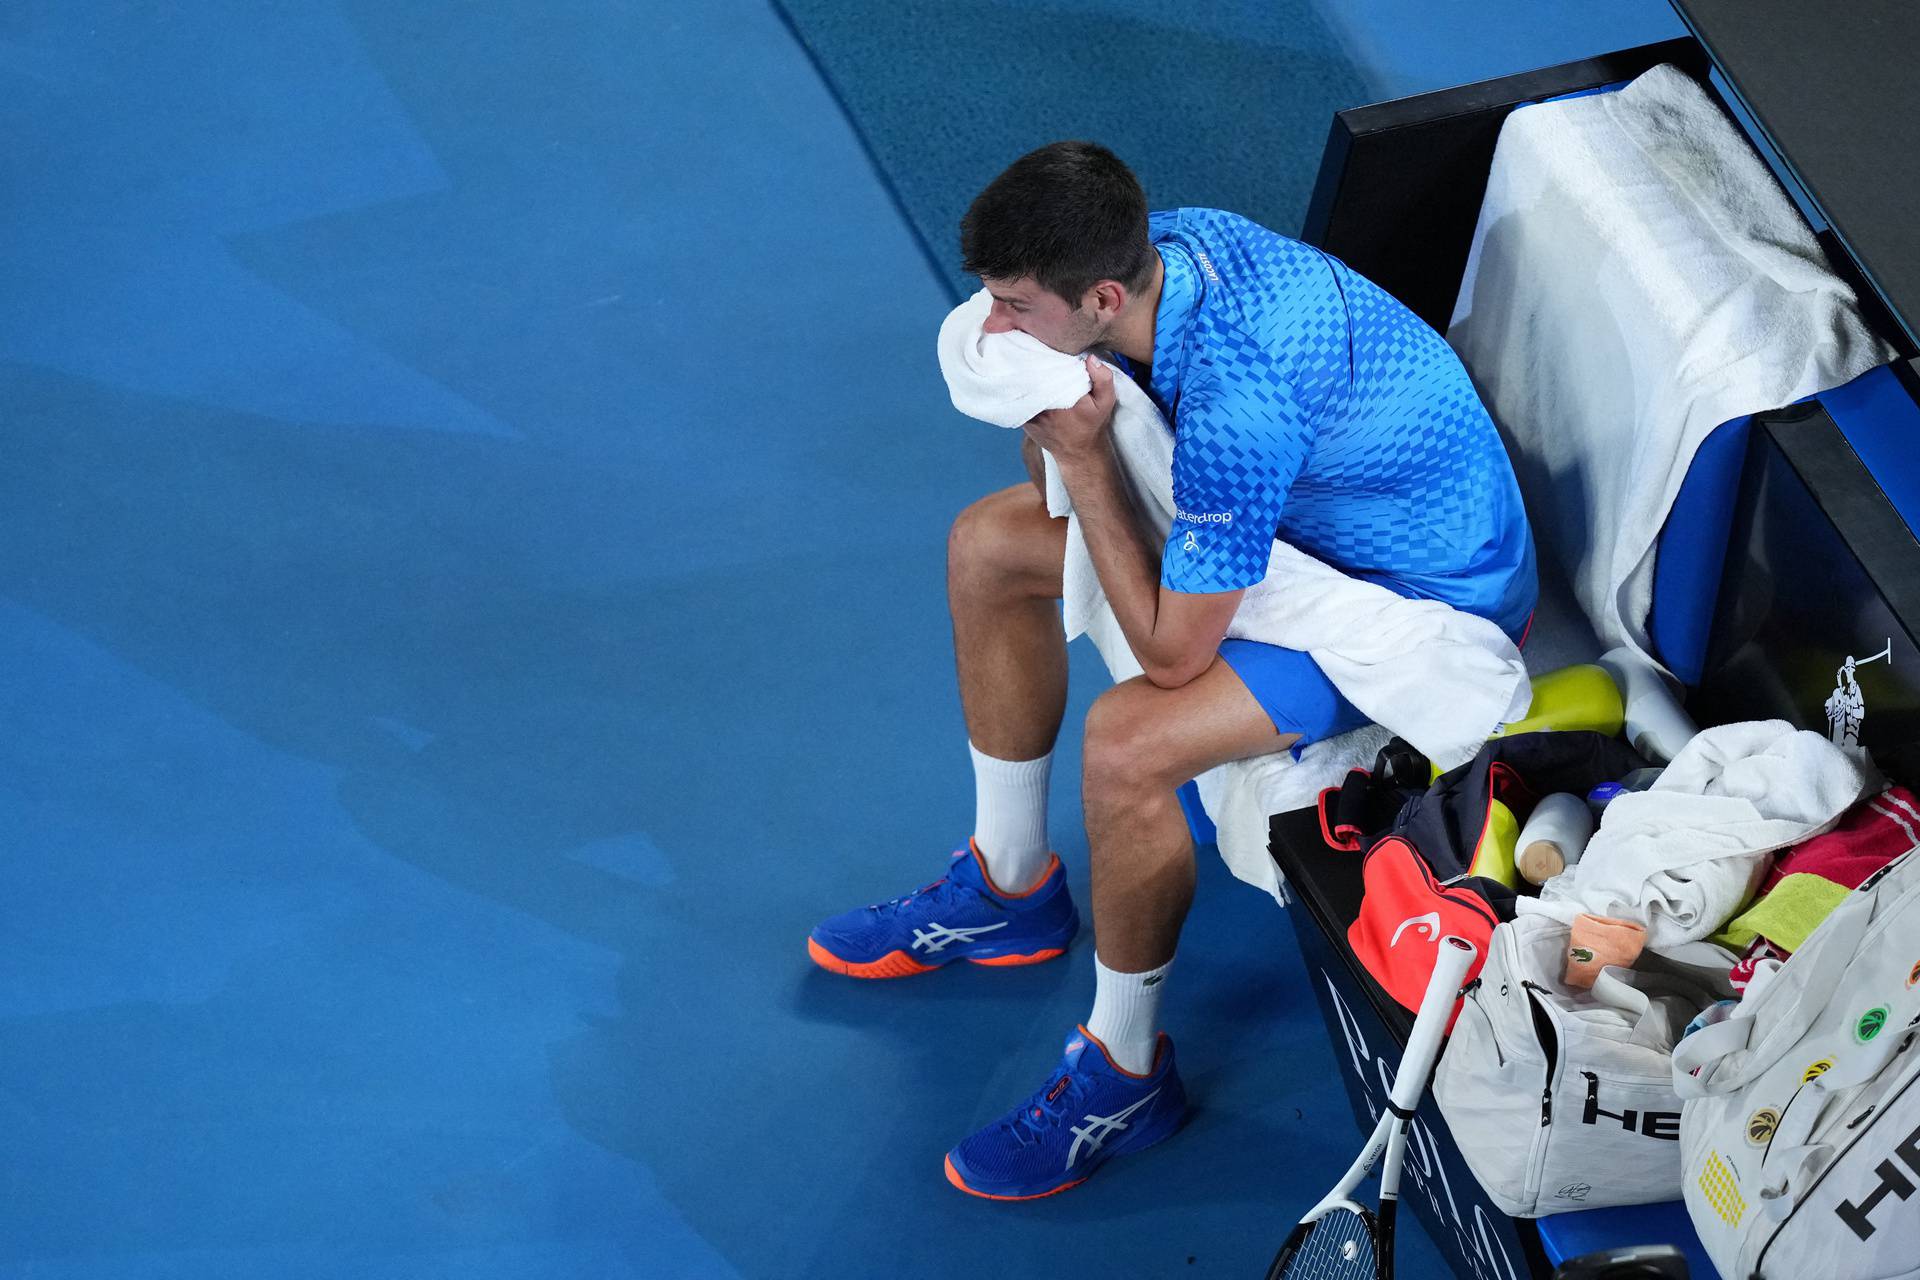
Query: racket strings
x=1337 y=1247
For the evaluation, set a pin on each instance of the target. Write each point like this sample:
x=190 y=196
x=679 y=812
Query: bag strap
x=1633 y=993
x=1791 y=1152
x=1698 y=1053
x=1814 y=975
x=1365 y=802
x=1806 y=985
x=1343 y=809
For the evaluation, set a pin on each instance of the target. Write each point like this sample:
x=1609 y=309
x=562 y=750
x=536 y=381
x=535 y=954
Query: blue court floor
x=472 y=514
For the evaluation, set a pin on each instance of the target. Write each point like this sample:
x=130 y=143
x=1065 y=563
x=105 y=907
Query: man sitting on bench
x=1307 y=405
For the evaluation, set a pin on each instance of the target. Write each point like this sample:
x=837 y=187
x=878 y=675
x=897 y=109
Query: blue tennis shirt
x=1310 y=405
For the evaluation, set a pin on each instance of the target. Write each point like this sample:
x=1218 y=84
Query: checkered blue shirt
x=1310 y=405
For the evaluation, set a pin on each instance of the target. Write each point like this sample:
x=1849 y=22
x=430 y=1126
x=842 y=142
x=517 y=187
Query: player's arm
x=1241 y=444
x=1191 y=627
x=1175 y=635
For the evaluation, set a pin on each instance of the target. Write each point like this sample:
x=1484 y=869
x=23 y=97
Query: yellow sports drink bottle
x=1583 y=696
x=1577 y=697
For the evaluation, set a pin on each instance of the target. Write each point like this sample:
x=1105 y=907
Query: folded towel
x=1686 y=855
x=1638 y=278
x=1809 y=880
x=1786 y=914
x=1439 y=678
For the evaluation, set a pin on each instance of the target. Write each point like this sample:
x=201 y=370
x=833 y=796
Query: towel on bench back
x=1440 y=678
x=1636 y=279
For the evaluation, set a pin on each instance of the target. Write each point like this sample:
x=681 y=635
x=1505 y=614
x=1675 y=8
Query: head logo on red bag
x=1428 y=925
x=1403 y=915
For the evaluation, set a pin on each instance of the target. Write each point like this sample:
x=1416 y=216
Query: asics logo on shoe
x=1098 y=1129
x=937 y=937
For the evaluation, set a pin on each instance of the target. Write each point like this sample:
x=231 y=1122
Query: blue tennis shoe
x=1086 y=1113
x=961 y=916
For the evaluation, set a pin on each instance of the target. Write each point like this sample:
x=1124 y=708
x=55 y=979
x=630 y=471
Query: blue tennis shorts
x=1291 y=688
x=1295 y=693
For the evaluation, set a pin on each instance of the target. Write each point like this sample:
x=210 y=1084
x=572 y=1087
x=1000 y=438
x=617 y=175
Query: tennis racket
x=1337 y=1239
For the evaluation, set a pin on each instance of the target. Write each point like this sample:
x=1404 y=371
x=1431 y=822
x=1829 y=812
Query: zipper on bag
x=1546 y=1030
x=1459 y=897
x=1472 y=994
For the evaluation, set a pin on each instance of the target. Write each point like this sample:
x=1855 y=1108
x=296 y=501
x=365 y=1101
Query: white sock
x=1126 y=1014
x=1010 y=818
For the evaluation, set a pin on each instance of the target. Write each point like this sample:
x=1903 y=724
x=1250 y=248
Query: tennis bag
x=1801 y=1126
x=1422 y=840
x=1447 y=819
x=1561 y=1099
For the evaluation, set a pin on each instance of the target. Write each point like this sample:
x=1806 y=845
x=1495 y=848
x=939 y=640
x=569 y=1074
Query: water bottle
x=1655 y=723
x=1554 y=837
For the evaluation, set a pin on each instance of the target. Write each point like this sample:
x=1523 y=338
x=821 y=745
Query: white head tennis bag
x=1561 y=1099
x=1801 y=1130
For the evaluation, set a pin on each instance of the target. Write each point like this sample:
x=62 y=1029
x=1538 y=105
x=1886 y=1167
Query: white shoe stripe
x=1097 y=1129
x=937 y=937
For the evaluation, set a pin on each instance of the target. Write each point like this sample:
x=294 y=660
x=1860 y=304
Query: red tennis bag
x=1417 y=890
x=1405 y=913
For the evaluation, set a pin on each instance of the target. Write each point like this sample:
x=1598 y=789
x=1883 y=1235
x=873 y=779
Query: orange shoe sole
x=898 y=964
x=953 y=1176
x=1035 y=958
x=895 y=964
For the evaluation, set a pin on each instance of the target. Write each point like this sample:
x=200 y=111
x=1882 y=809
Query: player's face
x=1023 y=305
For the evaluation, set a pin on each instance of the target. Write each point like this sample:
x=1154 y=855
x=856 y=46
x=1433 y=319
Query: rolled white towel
x=1683 y=857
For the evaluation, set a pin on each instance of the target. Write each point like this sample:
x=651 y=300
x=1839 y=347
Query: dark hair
x=1069 y=215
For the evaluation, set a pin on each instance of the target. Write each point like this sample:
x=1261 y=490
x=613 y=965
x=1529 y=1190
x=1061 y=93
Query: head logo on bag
x=1870 y=1024
x=1893 y=1184
x=1761 y=1124
x=1647 y=1123
x=1428 y=926
x=1815 y=1070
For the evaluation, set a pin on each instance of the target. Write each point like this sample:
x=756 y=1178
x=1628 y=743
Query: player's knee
x=1120 y=749
x=990 y=541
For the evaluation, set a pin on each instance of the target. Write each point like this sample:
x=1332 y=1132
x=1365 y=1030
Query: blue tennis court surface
x=471 y=532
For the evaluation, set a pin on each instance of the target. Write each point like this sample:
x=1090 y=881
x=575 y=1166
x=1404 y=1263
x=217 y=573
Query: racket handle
x=1452 y=959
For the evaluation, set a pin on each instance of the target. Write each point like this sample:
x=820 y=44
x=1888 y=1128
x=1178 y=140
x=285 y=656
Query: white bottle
x=1656 y=724
x=1554 y=837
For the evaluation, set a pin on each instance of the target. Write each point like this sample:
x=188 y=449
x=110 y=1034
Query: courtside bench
x=1788 y=571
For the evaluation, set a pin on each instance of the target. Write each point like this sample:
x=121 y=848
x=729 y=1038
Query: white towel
x=1684 y=857
x=1440 y=678
x=1637 y=278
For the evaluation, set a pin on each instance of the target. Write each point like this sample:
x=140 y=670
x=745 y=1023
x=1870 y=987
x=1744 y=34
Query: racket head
x=1342 y=1243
